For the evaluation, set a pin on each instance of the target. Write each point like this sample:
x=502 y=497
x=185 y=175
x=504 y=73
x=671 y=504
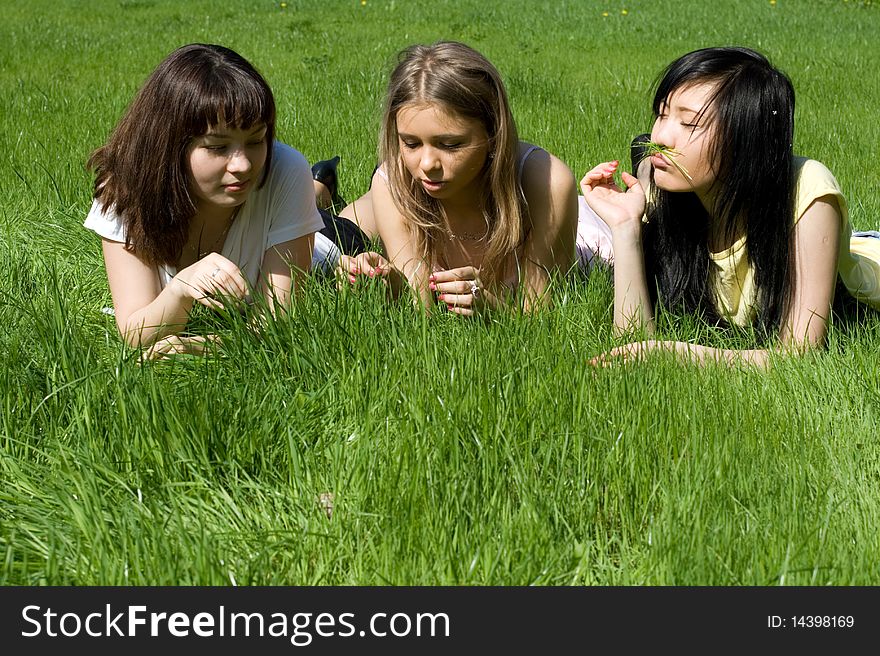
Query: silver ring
x=215 y=272
x=475 y=291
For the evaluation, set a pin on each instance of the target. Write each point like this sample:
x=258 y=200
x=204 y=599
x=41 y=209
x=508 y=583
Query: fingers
x=602 y=174
x=223 y=275
x=225 y=280
x=346 y=264
x=462 y=311
x=212 y=278
x=621 y=355
x=346 y=269
x=363 y=263
x=373 y=264
x=454 y=287
x=176 y=345
x=459 y=289
x=165 y=347
x=161 y=348
x=630 y=181
x=603 y=360
x=454 y=275
x=457 y=300
x=369 y=264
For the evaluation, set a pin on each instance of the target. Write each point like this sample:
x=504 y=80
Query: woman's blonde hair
x=461 y=81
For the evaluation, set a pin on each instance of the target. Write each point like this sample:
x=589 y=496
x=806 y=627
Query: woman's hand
x=632 y=352
x=369 y=264
x=177 y=345
x=210 y=280
x=460 y=290
x=615 y=206
x=686 y=352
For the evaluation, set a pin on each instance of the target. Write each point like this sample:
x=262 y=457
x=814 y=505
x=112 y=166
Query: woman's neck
x=464 y=214
x=207 y=233
x=212 y=214
x=721 y=233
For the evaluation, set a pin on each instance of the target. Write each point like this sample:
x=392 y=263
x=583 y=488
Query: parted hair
x=751 y=155
x=142 y=172
x=461 y=81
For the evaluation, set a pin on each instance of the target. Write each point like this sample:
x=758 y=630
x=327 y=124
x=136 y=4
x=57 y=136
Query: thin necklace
x=466 y=236
x=213 y=246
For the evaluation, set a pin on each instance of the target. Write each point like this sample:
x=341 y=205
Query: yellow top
x=858 y=263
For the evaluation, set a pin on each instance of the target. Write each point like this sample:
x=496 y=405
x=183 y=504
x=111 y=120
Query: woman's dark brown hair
x=142 y=173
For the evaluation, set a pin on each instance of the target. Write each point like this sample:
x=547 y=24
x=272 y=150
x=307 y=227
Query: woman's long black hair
x=751 y=155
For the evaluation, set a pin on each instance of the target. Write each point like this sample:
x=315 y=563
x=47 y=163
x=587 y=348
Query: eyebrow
x=681 y=108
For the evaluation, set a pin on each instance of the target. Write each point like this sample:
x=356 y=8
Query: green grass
x=458 y=452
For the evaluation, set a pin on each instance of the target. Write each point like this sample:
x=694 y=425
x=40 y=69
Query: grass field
x=457 y=452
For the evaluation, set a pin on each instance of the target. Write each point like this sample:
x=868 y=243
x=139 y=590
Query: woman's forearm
x=632 y=303
x=166 y=315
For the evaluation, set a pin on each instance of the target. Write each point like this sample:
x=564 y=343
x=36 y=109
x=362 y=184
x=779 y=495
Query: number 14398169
x=811 y=622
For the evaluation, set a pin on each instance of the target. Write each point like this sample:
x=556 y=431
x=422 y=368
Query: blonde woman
x=469 y=215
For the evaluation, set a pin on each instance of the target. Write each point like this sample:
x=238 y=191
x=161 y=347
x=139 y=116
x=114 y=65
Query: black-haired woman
x=723 y=220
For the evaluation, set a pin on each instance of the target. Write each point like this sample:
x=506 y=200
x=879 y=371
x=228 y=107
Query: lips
x=432 y=185
x=237 y=187
x=659 y=161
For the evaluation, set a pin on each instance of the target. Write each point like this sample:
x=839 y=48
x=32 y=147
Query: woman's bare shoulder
x=543 y=173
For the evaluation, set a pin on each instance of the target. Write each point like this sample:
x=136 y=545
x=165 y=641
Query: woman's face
x=225 y=165
x=443 y=151
x=684 y=127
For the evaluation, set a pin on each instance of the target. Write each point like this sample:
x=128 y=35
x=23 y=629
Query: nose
x=429 y=160
x=661 y=133
x=239 y=161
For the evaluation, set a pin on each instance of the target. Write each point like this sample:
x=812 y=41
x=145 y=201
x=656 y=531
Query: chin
x=671 y=183
x=234 y=201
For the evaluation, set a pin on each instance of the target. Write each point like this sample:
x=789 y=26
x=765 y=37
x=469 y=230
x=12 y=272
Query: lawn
x=454 y=452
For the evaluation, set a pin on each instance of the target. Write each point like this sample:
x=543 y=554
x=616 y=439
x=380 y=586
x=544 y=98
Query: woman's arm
x=400 y=245
x=816 y=243
x=284 y=265
x=145 y=313
x=622 y=211
x=551 y=195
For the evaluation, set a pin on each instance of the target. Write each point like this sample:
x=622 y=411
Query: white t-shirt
x=281 y=210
